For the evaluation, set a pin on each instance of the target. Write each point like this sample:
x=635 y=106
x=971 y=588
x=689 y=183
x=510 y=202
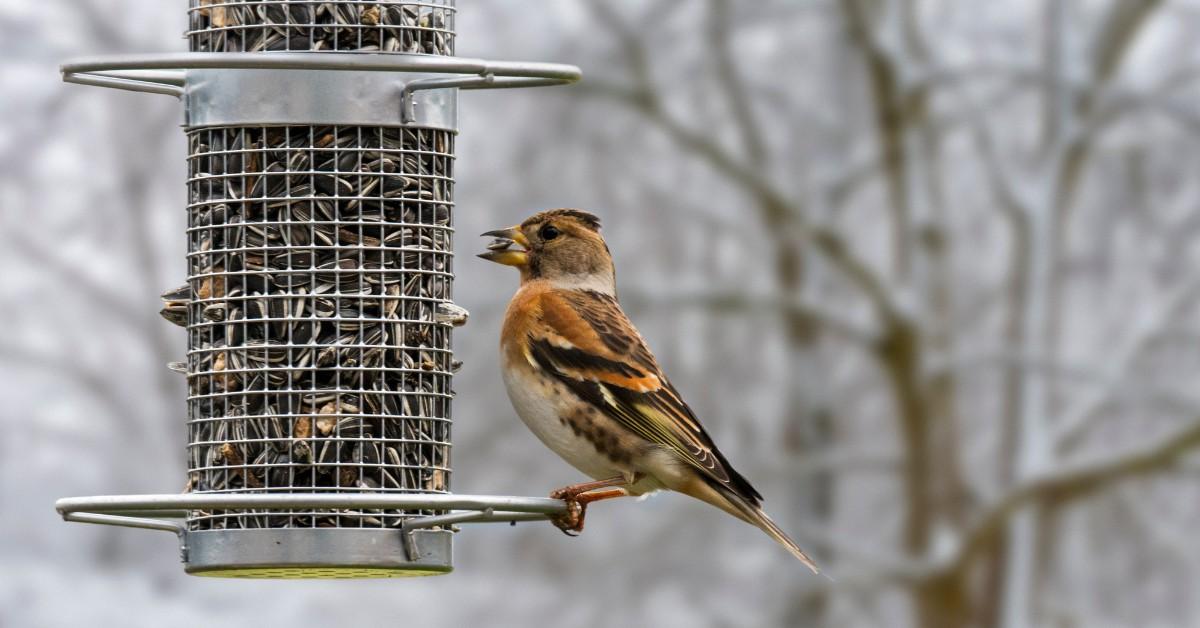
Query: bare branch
x=1014 y=199
x=1146 y=328
x=1128 y=387
x=1062 y=485
x=894 y=109
x=740 y=302
x=1117 y=35
x=778 y=209
x=78 y=280
x=1073 y=482
x=733 y=85
x=630 y=44
x=861 y=555
x=67 y=370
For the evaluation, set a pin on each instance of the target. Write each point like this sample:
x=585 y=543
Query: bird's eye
x=549 y=232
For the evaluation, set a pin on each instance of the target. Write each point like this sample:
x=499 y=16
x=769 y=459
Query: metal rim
x=151 y=512
x=167 y=73
x=148 y=511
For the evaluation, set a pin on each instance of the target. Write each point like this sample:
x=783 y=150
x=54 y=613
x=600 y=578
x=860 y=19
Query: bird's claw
x=571 y=521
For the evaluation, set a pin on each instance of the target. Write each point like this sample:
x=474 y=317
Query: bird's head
x=561 y=246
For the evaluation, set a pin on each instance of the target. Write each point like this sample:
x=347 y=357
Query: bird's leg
x=578 y=496
x=574 y=490
x=587 y=498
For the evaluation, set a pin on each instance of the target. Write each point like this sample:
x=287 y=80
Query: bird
x=582 y=379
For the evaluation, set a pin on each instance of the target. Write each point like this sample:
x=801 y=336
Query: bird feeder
x=318 y=303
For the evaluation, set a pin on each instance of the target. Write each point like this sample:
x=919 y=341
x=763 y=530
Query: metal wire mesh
x=318 y=258
x=318 y=25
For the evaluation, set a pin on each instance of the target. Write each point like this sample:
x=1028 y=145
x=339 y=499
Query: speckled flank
x=588 y=423
x=558 y=418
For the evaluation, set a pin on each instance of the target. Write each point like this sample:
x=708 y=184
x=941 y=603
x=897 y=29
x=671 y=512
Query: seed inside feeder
x=319 y=260
x=279 y=26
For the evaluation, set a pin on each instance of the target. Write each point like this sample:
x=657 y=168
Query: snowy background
x=927 y=269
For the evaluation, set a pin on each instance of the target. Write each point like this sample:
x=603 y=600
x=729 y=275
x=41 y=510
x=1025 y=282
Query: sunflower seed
x=451 y=314
x=321 y=316
x=319 y=263
x=303 y=25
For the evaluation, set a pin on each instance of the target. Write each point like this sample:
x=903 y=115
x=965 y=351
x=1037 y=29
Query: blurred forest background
x=927 y=269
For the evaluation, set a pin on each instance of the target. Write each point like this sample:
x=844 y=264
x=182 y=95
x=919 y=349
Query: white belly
x=541 y=410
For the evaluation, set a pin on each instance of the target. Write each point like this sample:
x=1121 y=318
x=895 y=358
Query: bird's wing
x=586 y=341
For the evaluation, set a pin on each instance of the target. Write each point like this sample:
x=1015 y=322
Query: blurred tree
x=934 y=262
x=994 y=554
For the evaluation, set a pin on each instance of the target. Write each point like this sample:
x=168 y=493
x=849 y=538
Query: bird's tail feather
x=754 y=515
x=747 y=510
x=766 y=525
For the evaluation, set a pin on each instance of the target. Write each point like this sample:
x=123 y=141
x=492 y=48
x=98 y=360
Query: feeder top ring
x=167 y=73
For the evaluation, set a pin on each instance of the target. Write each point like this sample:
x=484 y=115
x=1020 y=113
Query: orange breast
x=523 y=312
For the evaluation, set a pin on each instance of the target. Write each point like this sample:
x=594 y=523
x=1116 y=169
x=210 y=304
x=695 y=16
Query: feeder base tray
x=317 y=553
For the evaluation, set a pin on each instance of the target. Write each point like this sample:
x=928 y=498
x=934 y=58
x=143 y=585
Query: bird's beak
x=500 y=249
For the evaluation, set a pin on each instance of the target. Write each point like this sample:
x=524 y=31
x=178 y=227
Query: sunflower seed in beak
x=499 y=244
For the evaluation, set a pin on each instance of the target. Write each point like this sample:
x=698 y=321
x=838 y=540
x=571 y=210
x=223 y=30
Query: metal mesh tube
x=319 y=25
x=317 y=259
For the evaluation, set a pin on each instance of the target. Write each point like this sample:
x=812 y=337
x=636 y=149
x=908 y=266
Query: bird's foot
x=578 y=496
x=571 y=521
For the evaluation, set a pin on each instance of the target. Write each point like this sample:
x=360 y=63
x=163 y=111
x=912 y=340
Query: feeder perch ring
x=425 y=551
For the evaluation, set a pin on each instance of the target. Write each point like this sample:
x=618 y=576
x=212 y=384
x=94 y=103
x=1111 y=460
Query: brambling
x=582 y=379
